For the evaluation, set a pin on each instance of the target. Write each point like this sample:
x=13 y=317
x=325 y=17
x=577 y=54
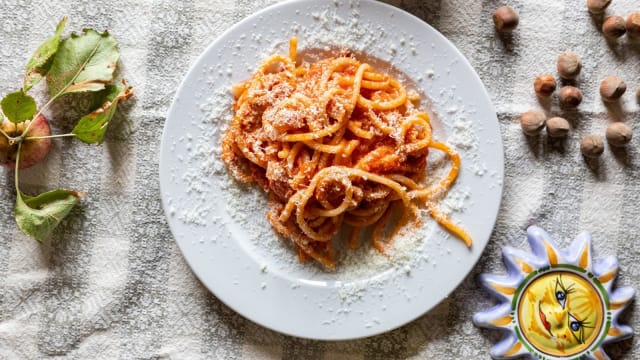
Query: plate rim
x=165 y=136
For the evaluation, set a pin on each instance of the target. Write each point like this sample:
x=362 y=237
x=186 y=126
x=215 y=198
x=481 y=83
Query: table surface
x=111 y=282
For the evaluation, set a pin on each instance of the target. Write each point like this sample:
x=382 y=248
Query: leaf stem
x=5 y=134
x=49 y=136
x=26 y=131
x=17 y=169
x=61 y=92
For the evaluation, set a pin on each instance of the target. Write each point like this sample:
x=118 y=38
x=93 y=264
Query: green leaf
x=40 y=62
x=92 y=127
x=39 y=216
x=18 y=106
x=84 y=62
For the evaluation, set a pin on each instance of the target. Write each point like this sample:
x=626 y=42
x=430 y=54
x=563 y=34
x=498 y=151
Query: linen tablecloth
x=111 y=282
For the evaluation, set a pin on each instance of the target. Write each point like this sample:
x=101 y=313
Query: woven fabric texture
x=112 y=284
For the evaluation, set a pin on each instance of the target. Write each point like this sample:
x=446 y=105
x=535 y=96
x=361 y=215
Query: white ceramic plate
x=221 y=227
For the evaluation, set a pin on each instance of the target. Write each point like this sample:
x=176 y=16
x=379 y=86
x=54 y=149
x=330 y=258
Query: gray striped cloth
x=112 y=284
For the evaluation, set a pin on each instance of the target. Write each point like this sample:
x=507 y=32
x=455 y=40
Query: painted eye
x=575 y=326
x=561 y=296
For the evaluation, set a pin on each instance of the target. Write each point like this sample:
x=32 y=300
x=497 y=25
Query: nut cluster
x=616 y=26
x=569 y=66
x=612 y=88
x=618 y=135
x=533 y=121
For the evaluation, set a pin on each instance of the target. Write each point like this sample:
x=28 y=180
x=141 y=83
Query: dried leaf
x=84 y=62
x=38 y=216
x=92 y=127
x=39 y=64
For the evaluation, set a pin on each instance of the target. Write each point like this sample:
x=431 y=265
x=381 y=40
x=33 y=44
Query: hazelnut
x=591 y=146
x=570 y=97
x=612 y=88
x=614 y=27
x=557 y=127
x=532 y=122
x=597 y=6
x=633 y=24
x=544 y=85
x=569 y=65
x=505 y=19
x=618 y=134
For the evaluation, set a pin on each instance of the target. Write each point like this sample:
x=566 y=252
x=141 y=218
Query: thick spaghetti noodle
x=334 y=142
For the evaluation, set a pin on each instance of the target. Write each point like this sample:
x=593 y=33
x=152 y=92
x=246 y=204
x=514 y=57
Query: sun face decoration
x=556 y=304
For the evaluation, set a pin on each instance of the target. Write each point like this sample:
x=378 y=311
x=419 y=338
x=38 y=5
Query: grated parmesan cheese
x=227 y=204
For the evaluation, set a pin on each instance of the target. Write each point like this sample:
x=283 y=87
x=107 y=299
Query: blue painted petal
x=486 y=317
x=573 y=253
x=537 y=238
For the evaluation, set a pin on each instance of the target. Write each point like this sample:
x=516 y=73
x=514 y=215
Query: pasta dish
x=335 y=142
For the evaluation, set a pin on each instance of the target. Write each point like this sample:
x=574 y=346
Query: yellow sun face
x=555 y=304
x=560 y=313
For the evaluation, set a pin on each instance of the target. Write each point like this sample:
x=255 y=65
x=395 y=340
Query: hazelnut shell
x=557 y=127
x=618 y=134
x=505 y=19
x=592 y=146
x=532 y=122
x=633 y=24
x=544 y=85
x=570 y=97
x=597 y=6
x=614 y=27
x=569 y=65
x=612 y=88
